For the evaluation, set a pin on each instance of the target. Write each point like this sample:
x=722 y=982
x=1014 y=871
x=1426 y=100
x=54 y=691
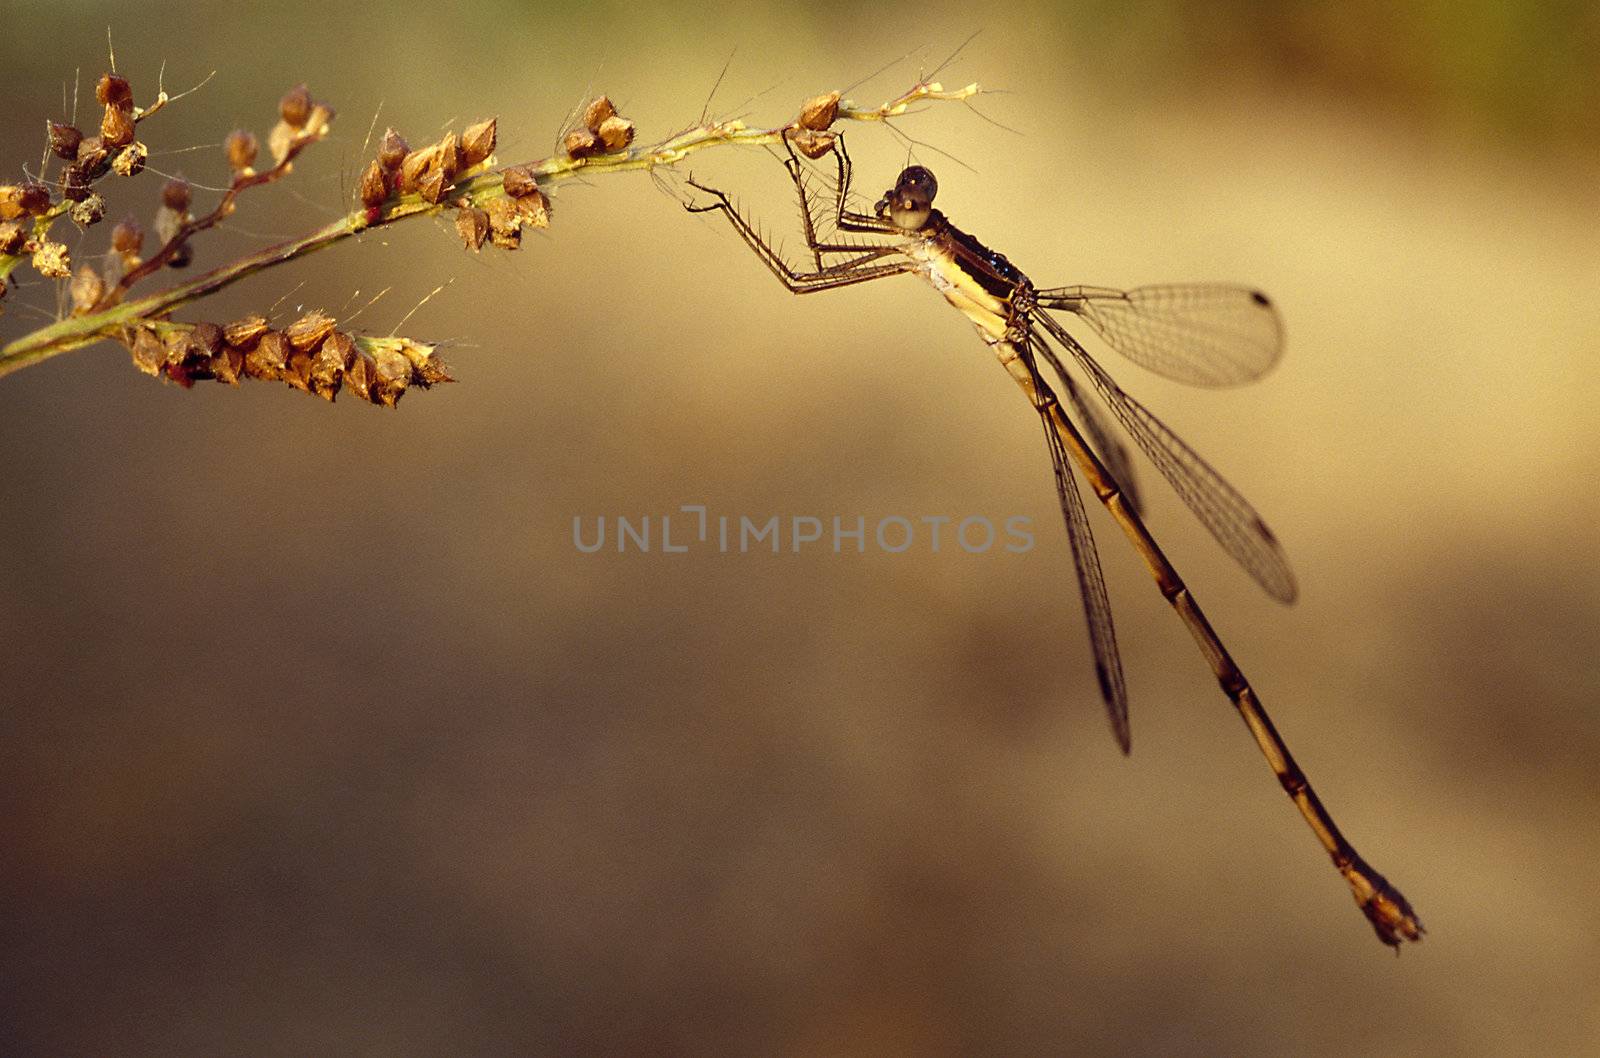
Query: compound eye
x=910 y=203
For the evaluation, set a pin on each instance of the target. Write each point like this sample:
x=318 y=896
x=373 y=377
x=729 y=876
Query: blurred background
x=320 y=737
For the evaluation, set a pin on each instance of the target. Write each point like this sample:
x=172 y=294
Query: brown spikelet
x=297 y=372
x=416 y=167
x=360 y=375
x=88 y=210
x=269 y=357
x=391 y=376
x=307 y=332
x=295 y=106
x=241 y=146
x=393 y=150
x=12 y=236
x=112 y=90
x=615 y=133
x=819 y=112
x=472 y=225
x=534 y=209
x=64 y=140
x=505 y=225
x=373 y=189
x=228 y=365
x=518 y=180
x=244 y=333
x=477 y=143
x=599 y=109
x=581 y=143
x=130 y=160
x=811 y=143
x=149 y=355
x=86 y=289
x=329 y=363
x=52 y=260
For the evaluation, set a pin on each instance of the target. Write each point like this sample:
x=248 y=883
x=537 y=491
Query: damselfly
x=1203 y=334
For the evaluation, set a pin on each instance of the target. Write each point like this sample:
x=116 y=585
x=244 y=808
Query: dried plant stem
x=111 y=321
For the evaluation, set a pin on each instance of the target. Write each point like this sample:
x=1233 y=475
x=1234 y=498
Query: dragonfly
x=1203 y=334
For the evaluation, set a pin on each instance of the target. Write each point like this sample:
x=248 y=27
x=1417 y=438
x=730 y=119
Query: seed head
x=175 y=195
x=242 y=147
x=393 y=150
x=111 y=90
x=477 y=143
x=295 y=106
x=130 y=160
x=64 y=140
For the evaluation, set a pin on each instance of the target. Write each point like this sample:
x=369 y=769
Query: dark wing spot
x=1259 y=298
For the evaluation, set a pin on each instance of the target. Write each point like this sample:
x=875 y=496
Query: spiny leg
x=830 y=277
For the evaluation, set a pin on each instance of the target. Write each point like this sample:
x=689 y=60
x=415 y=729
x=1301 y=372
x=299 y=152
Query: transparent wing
x=1091 y=585
x=1229 y=517
x=1112 y=452
x=1204 y=334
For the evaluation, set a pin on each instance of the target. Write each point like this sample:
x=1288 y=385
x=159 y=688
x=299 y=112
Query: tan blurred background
x=319 y=737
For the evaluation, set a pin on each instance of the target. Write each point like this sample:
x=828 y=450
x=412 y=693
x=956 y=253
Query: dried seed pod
x=208 y=337
x=426 y=369
x=64 y=140
x=130 y=160
x=297 y=372
x=505 y=226
x=241 y=147
x=417 y=166
x=127 y=237
x=393 y=150
x=182 y=255
x=477 y=143
x=329 y=363
x=598 y=110
x=518 y=180
x=472 y=225
x=811 y=143
x=52 y=260
x=244 y=333
x=295 y=106
x=17 y=200
x=391 y=376
x=581 y=143
x=280 y=139
x=307 y=332
x=534 y=209
x=86 y=289
x=88 y=211
x=615 y=133
x=319 y=120
x=373 y=190
x=228 y=365
x=149 y=355
x=434 y=187
x=116 y=127
x=360 y=375
x=175 y=195
x=75 y=180
x=450 y=156
x=269 y=357
x=112 y=90
x=819 y=112
x=12 y=236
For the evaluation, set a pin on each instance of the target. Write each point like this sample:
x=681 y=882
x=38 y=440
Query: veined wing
x=1091 y=582
x=1112 y=452
x=1229 y=516
x=1205 y=334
